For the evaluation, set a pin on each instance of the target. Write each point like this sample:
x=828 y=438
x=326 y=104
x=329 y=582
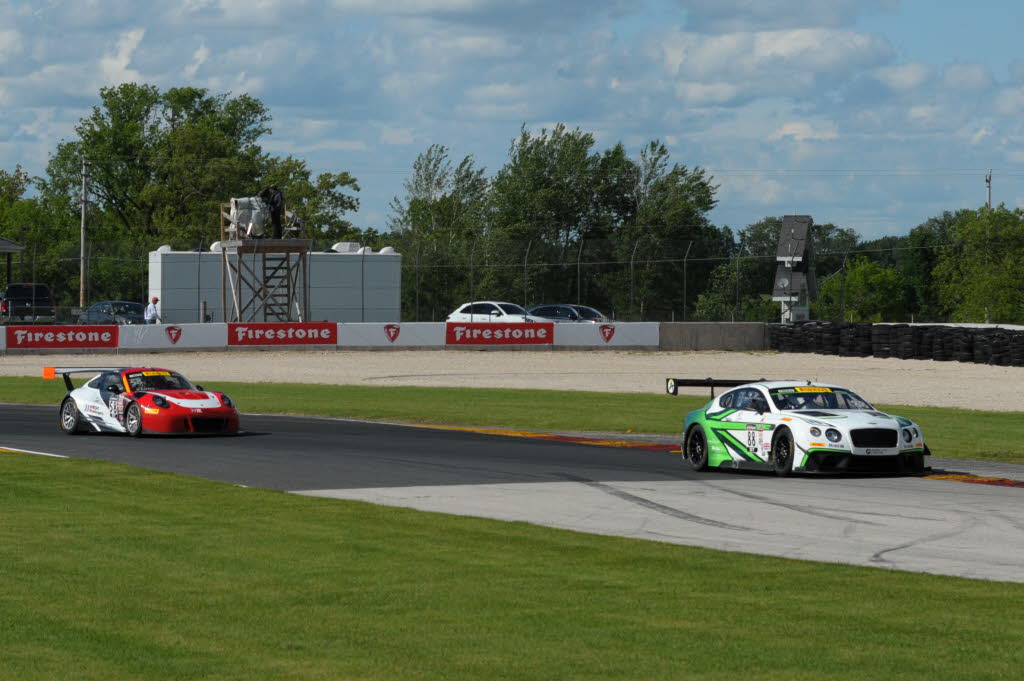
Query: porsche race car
x=141 y=400
x=793 y=426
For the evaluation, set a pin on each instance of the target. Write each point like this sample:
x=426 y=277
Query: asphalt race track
x=904 y=523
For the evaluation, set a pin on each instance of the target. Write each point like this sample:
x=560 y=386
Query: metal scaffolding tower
x=265 y=280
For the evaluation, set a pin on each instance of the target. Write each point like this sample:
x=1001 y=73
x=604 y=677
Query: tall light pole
x=81 y=257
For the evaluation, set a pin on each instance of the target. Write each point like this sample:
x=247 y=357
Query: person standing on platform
x=274 y=199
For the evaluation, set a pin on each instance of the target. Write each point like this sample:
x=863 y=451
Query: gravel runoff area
x=886 y=381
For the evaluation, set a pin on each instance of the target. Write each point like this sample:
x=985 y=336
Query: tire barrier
x=981 y=345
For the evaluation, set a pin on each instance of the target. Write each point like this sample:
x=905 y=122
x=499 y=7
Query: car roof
x=771 y=385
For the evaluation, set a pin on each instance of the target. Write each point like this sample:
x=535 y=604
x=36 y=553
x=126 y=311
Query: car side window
x=726 y=400
x=748 y=398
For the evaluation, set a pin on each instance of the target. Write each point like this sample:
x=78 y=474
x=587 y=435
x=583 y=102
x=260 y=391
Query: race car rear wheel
x=782 y=453
x=695 y=449
x=70 y=418
x=133 y=419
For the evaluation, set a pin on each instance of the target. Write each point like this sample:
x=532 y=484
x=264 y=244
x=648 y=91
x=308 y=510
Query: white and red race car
x=141 y=400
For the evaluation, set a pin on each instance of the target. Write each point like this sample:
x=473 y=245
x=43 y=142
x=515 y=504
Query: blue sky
x=871 y=114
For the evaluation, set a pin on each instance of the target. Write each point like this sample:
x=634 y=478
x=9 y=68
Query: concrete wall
x=713 y=336
x=343 y=287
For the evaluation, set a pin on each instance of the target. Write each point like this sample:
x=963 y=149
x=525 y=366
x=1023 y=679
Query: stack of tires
x=905 y=341
x=825 y=338
x=1017 y=349
x=855 y=340
x=881 y=341
x=1004 y=347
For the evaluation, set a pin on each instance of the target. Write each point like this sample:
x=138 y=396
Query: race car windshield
x=158 y=380
x=815 y=397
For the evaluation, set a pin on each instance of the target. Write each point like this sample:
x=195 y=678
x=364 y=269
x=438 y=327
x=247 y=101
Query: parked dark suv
x=27 y=303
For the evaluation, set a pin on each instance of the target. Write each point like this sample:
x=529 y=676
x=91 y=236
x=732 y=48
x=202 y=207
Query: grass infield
x=111 y=572
x=951 y=433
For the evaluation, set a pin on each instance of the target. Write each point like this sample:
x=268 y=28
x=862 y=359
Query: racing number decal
x=752 y=439
x=116 y=407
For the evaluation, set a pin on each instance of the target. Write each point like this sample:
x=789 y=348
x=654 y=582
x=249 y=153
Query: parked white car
x=492 y=311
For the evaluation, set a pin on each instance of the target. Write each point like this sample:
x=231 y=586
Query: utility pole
x=81 y=257
x=988 y=189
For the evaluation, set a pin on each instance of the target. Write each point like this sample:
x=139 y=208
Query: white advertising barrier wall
x=396 y=334
x=632 y=334
x=172 y=336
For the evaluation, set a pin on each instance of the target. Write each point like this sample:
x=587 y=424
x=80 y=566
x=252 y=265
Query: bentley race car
x=793 y=426
x=141 y=400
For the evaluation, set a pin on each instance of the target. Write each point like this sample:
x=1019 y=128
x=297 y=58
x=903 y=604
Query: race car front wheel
x=70 y=418
x=133 y=419
x=782 y=453
x=695 y=449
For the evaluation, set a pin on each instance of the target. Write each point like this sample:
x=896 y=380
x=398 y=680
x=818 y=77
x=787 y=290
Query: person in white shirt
x=152 y=316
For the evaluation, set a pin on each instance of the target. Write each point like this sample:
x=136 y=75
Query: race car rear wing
x=672 y=385
x=53 y=372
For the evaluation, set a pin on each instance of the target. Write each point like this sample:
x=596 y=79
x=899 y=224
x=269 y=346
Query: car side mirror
x=201 y=388
x=760 y=406
x=115 y=388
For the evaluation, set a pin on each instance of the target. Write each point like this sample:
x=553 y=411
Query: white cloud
x=397 y=136
x=114 y=67
x=11 y=44
x=728 y=16
x=199 y=57
x=802 y=131
x=904 y=77
x=967 y=77
x=1009 y=102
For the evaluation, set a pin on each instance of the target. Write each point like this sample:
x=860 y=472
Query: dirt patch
x=888 y=381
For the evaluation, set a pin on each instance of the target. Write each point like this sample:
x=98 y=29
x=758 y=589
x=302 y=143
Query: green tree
x=668 y=224
x=982 y=274
x=926 y=244
x=731 y=295
x=13 y=186
x=159 y=167
x=439 y=226
x=868 y=292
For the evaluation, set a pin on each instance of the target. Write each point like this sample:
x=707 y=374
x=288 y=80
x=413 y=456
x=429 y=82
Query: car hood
x=849 y=418
x=183 y=396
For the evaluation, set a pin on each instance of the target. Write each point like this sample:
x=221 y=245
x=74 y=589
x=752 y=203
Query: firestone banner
x=60 y=337
x=283 y=333
x=492 y=333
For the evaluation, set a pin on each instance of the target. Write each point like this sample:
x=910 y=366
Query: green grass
x=111 y=572
x=953 y=433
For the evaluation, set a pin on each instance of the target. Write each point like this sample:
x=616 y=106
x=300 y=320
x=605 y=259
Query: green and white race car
x=793 y=426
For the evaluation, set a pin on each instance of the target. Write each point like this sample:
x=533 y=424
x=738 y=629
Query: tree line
x=561 y=221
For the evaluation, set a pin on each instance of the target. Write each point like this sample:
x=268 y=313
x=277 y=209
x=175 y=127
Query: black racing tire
x=133 y=419
x=913 y=464
x=782 y=453
x=70 y=417
x=695 y=449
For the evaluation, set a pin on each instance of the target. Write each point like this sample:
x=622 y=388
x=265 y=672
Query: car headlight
x=907 y=435
x=815 y=432
x=833 y=435
x=226 y=400
x=160 y=401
